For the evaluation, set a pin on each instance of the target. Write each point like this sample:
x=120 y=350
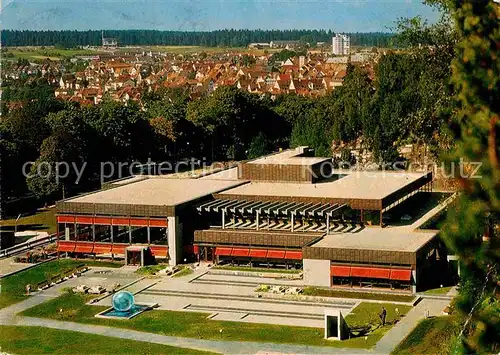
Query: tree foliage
x=473 y=226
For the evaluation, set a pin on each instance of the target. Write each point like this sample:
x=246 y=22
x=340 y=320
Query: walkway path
x=394 y=336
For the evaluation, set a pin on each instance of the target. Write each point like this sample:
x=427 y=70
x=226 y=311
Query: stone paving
x=229 y=297
x=8 y=265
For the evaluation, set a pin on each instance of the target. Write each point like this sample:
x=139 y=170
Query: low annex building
x=288 y=209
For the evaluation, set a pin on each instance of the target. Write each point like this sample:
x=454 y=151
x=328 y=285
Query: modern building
x=341 y=44
x=288 y=209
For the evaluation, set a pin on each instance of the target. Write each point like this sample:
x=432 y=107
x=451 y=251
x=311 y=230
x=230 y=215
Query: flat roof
x=376 y=238
x=157 y=191
x=306 y=161
x=288 y=157
x=227 y=174
x=370 y=185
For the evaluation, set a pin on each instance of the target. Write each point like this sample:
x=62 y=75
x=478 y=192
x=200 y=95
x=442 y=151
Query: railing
x=23 y=247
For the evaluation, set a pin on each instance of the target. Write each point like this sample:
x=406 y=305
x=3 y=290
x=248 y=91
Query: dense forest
x=220 y=38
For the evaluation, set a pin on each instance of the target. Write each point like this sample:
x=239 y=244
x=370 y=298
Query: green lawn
x=326 y=292
x=150 y=269
x=255 y=269
x=101 y=263
x=13 y=287
x=43 y=221
x=38 y=340
x=184 y=271
x=196 y=325
x=438 y=291
x=430 y=336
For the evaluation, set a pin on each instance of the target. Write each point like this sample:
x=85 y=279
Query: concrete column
x=93 y=233
x=174 y=241
x=414 y=286
x=76 y=232
x=111 y=233
x=149 y=234
x=293 y=221
x=130 y=234
x=327 y=224
x=257 y=218
x=66 y=232
x=317 y=272
x=223 y=220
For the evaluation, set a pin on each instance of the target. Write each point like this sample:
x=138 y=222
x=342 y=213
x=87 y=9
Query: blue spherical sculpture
x=122 y=301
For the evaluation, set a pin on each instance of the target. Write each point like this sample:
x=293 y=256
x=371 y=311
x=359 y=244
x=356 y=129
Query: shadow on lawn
x=357 y=332
x=25 y=227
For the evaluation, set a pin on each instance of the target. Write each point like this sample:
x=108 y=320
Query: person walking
x=383 y=315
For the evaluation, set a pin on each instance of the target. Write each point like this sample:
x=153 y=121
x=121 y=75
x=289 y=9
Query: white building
x=341 y=44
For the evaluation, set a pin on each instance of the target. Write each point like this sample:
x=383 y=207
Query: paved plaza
x=228 y=297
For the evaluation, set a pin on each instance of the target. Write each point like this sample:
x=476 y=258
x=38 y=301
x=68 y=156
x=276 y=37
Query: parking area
x=232 y=298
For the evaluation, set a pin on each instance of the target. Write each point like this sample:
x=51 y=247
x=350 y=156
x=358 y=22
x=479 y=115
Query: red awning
x=159 y=250
x=196 y=249
x=223 y=251
x=158 y=223
x=65 y=219
x=380 y=273
x=66 y=246
x=102 y=248
x=340 y=270
x=401 y=274
x=84 y=220
x=120 y=221
x=357 y=271
x=84 y=247
x=294 y=255
x=240 y=252
x=258 y=253
x=275 y=254
x=139 y=222
x=119 y=249
x=106 y=221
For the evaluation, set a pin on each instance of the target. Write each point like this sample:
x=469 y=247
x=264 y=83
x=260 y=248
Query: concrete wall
x=317 y=272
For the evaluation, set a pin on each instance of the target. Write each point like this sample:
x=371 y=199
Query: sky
x=207 y=15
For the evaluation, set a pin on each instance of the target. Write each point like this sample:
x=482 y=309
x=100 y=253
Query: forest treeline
x=220 y=38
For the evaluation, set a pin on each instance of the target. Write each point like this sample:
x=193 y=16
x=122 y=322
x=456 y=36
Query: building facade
x=285 y=210
x=341 y=44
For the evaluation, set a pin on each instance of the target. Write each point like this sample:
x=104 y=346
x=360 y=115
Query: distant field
x=37 y=53
x=208 y=50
